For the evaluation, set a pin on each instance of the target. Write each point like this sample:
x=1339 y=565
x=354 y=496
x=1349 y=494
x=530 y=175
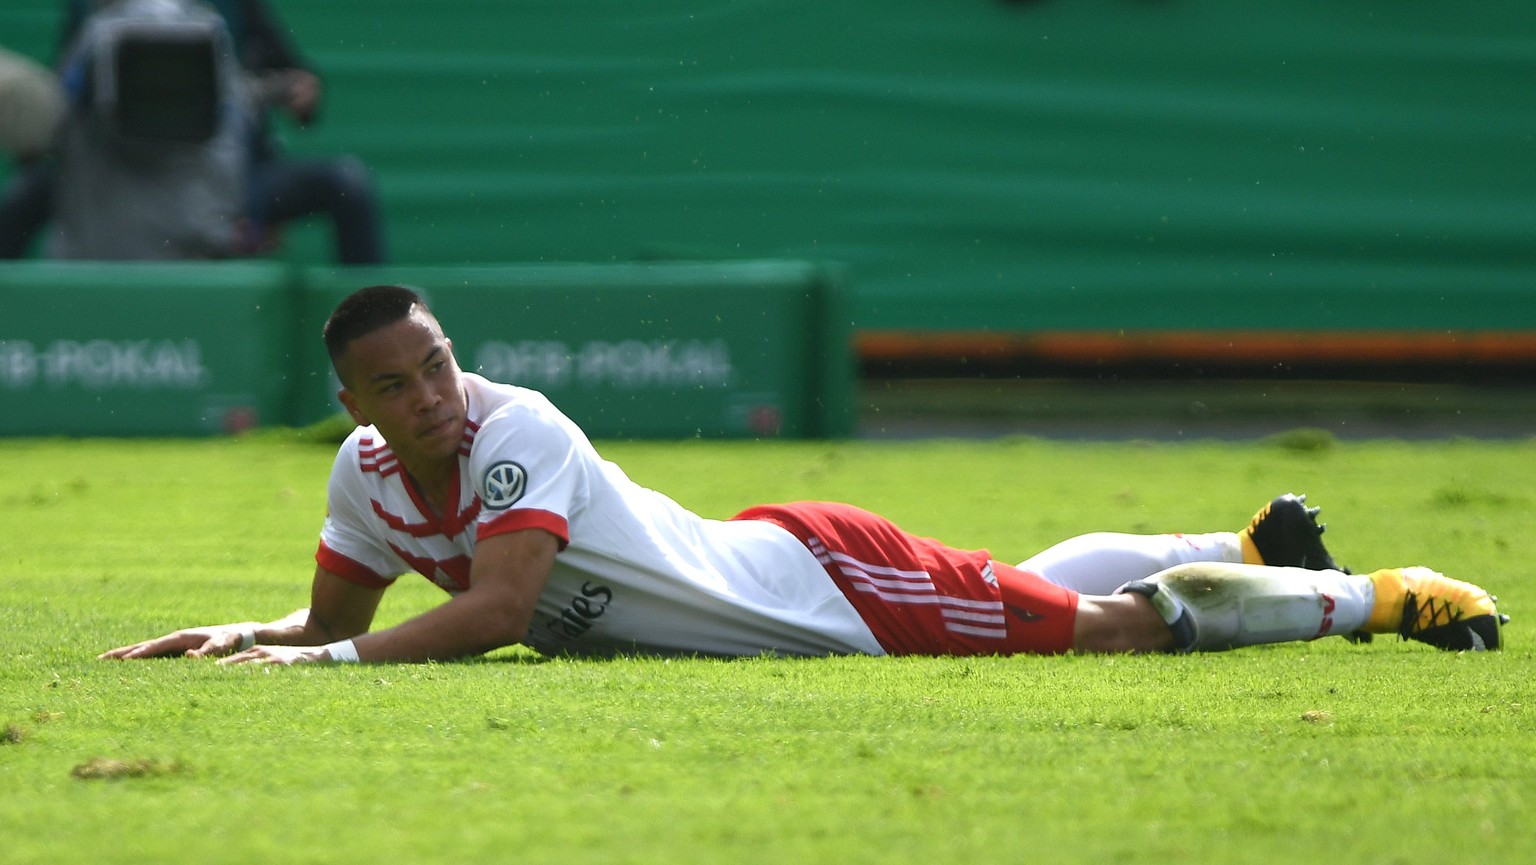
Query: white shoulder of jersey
x=486 y=397
x=494 y=403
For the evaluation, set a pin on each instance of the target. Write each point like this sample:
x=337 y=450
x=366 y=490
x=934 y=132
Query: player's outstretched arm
x=508 y=574
x=338 y=610
x=206 y=641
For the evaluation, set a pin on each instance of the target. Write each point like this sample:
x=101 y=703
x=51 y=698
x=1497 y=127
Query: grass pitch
x=1391 y=752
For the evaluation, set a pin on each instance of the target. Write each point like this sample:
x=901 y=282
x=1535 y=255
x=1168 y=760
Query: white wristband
x=342 y=652
x=247 y=639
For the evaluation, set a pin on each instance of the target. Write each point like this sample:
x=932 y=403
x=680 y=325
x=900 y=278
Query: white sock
x=1101 y=562
x=1222 y=606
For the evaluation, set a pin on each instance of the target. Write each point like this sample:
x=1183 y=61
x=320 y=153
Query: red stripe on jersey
x=447 y=528
x=349 y=569
x=470 y=430
x=920 y=597
x=382 y=460
x=465 y=518
x=376 y=459
x=451 y=575
x=398 y=523
x=526 y=518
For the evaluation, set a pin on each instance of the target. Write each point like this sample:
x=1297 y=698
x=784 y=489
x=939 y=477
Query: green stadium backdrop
x=986 y=170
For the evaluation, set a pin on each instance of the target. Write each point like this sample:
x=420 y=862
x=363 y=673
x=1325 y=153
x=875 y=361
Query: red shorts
x=920 y=597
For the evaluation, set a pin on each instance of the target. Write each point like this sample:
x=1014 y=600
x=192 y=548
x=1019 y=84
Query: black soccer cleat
x=1286 y=533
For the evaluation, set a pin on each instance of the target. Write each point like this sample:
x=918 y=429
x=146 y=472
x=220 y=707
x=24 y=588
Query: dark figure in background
x=32 y=108
x=279 y=189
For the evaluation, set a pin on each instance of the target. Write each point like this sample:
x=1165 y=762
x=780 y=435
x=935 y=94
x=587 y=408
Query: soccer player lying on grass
x=490 y=492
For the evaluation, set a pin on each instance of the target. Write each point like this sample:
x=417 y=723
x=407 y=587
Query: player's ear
x=349 y=402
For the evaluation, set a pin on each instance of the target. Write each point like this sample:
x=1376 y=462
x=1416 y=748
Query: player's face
x=404 y=380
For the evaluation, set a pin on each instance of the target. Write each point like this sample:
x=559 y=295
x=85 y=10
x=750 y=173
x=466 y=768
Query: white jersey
x=636 y=570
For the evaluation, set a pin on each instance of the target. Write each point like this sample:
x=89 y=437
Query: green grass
x=1388 y=753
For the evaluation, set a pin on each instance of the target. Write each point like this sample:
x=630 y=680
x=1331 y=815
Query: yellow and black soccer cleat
x=1425 y=605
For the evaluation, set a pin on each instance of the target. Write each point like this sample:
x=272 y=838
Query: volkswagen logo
x=503 y=484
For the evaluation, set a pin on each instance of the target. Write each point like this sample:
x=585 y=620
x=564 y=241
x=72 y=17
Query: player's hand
x=281 y=655
x=192 y=642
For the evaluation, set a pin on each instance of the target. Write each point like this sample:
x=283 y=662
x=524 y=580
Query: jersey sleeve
x=530 y=468
x=347 y=548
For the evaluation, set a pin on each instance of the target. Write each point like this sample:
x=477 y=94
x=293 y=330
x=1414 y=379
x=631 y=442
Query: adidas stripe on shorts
x=921 y=597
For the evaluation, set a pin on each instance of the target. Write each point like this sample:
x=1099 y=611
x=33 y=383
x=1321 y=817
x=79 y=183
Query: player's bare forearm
x=215 y=640
x=471 y=624
x=289 y=630
x=309 y=626
x=508 y=574
x=338 y=610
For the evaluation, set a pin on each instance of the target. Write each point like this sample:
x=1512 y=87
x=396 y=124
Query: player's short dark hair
x=365 y=311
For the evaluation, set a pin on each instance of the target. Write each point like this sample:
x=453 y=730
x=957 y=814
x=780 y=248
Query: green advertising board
x=736 y=349
x=143 y=349
x=634 y=350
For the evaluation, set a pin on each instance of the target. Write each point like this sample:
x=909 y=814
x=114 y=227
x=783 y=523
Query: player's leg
x=341 y=188
x=1120 y=623
x=1169 y=612
x=1284 y=532
x=1210 y=606
x=1100 y=562
x=26 y=205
